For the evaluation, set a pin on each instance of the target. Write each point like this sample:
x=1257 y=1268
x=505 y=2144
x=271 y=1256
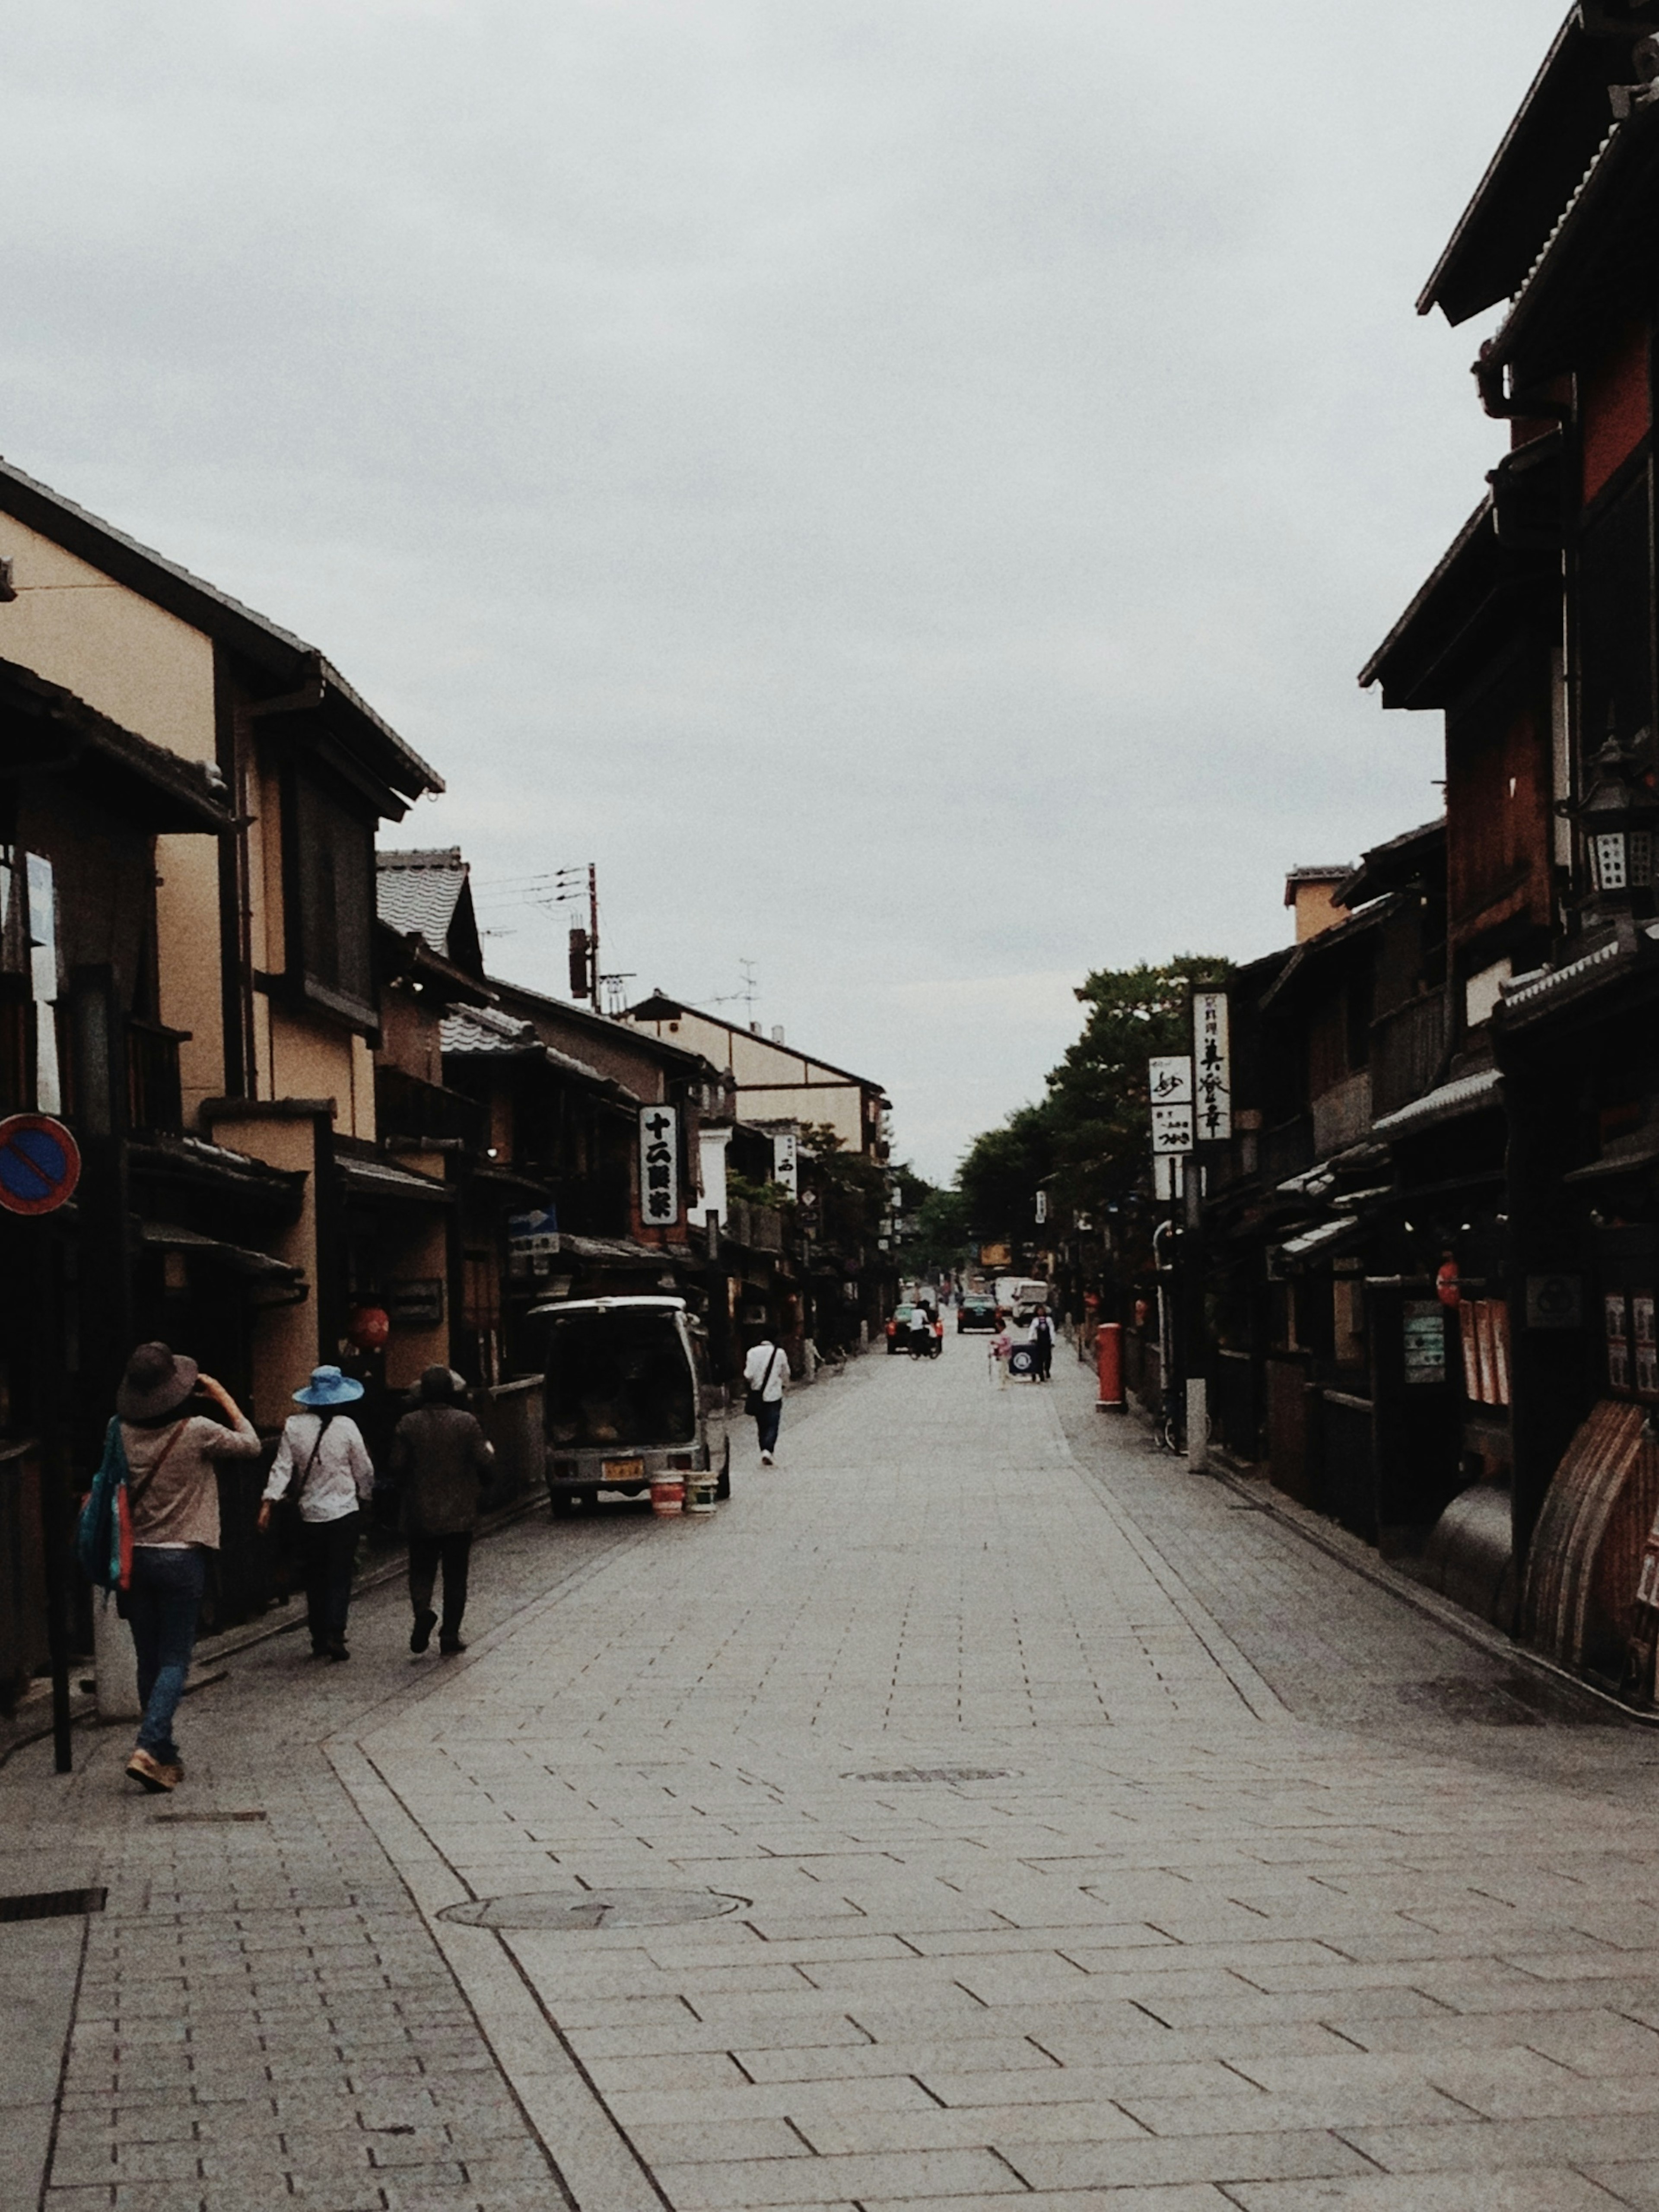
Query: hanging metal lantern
x=1619 y=816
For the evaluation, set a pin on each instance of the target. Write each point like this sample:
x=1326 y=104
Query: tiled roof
x=1469 y=1094
x=477 y=1029
x=417 y=893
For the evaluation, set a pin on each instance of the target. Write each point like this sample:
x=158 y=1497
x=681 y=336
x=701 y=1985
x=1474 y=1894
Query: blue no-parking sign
x=39 y=1164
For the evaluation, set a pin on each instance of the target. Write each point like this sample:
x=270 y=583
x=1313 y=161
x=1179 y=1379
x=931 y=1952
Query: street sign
x=660 y=1166
x=1211 y=1052
x=1172 y=1129
x=1170 y=1081
x=39 y=1164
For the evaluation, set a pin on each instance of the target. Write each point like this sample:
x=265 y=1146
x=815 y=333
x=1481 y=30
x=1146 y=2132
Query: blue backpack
x=103 y=1537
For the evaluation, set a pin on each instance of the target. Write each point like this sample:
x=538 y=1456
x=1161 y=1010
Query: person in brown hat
x=173 y=1487
x=440 y=1460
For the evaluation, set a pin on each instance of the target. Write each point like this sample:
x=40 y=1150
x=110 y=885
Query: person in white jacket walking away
x=764 y=1373
x=324 y=1457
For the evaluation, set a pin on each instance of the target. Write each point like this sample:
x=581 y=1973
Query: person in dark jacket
x=440 y=1458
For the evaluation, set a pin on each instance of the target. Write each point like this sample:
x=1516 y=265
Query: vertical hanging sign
x=1169 y=1088
x=786 y=1161
x=660 y=1166
x=1213 y=1067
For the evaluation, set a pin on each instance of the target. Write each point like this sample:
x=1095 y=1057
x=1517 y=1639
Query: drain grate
x=52 y=1904
x=202 y=1820
x=937 y=1774
x=598 y=1908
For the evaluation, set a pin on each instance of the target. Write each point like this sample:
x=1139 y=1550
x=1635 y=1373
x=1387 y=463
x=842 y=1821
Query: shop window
x=1615 y=615
x=332 y=869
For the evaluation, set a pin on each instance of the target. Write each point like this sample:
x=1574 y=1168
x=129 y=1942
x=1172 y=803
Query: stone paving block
x=1181 y=2196
x=899 y=2054
x=1304 y=2155
x=911 y=2174
x=1490 y=2145
x=995 y=2127
x=768 y=2100
x=687 y=2143
x=1545 y=2189
x=1635 y=2184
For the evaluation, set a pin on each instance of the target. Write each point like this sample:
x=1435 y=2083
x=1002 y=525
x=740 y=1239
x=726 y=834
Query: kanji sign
x=1172 y=1129
x=39 y=1164
x=533 y=1244
x=1213 y=1080
x=786 y=1165
x=660 y=1166
x=1170 y=1088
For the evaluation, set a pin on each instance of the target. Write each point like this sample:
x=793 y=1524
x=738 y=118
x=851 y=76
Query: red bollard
x=1108 y=1351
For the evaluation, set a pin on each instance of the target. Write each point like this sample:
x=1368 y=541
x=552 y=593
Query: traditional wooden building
x=1537 y=637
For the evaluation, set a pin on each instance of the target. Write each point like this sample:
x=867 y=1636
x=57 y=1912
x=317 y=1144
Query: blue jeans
x=766 y=1423
x=162 y=1605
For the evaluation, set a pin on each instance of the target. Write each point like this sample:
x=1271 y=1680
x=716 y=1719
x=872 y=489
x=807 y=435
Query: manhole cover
x=937 y=1774
x=598 y=1908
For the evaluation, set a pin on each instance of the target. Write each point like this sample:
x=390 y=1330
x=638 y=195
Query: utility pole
x=584 y=943
x=593 y=933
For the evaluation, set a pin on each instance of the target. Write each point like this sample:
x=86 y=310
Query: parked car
x=977 y=1313
x=628 y=1396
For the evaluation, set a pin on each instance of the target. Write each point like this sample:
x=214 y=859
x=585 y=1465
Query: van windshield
x=619 y=1377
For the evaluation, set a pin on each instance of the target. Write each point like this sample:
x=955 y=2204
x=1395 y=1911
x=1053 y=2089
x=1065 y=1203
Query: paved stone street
x=1075 y=1836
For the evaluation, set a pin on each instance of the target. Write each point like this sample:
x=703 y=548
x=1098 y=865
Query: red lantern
x=369 y=1328
x=1445 y=1283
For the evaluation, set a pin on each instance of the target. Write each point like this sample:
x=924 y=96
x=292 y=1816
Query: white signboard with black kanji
x=660 y=1166
x=1172 y=1129
x=786 y=1150
x=1170 y=1081
x=1213 y=1067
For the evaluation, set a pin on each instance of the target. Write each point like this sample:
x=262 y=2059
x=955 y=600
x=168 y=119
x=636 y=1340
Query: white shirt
x=343 y=1476
x=754 y=1370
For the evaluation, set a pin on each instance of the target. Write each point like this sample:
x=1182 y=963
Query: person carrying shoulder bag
x=172 y=1453
x=324 y=1458
x=762 y=1374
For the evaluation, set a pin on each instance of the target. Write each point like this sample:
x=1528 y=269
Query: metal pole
x=54 y=1535
x=593 y=933
x=1191 y=1285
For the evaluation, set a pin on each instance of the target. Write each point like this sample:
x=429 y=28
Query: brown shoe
x=150 y=1773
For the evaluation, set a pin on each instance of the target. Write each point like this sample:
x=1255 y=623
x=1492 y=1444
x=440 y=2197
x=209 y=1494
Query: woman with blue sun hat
x=324 y=1457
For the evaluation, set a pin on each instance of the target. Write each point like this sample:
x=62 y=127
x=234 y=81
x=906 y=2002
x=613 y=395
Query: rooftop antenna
x=750 y=992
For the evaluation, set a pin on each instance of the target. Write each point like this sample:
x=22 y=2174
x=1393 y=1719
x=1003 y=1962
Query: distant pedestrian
x=172 y=1453
x=1001 y=1348
x=762 y=1376
x=323 y=1456
x=920 y=1331
x=1042 y=1345
x=441 y=1460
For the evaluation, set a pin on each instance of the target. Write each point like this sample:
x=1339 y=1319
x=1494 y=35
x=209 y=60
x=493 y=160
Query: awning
x=374 y=1179
x=1469 y=1094
x=1643 y=1152
x=1312 y=1241
x=256 y=1266
x=622 y=1248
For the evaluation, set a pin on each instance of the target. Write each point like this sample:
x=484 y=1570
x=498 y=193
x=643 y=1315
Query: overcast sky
x=905 y=486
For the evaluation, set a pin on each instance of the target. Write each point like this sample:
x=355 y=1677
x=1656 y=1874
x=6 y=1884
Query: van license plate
x=623 y=1470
